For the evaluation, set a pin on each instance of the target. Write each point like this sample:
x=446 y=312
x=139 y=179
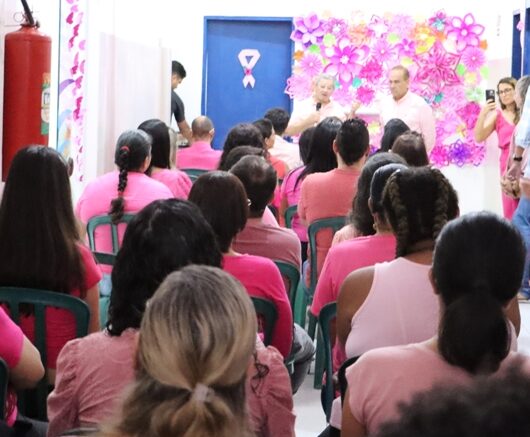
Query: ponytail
x=117 y=205
x=474 y=332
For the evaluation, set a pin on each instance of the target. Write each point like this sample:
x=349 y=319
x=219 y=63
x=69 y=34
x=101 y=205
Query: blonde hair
x=196 y=342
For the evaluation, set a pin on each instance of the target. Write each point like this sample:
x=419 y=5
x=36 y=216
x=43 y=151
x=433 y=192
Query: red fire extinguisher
x=26 y=89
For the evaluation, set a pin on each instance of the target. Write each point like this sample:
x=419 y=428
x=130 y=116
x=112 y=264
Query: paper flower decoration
x=465 y=31
x=337 y=27
x=402 y=25
x=439 y=156
x=311 y=65
x=438 y=21
x=345 y=61
x=406 y=47
x=473 y=58
x=298 y=87
x=343 y=95
x=437 y=68
x=383 y=51
x=371 y=71
x=469 y=113
x=365 y=94
x=308 y=30
x=378 y=26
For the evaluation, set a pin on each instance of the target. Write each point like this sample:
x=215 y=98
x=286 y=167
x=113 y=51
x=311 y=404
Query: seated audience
x=200 y=154
x=41 y=247
x=476 y=280
x=239 y=152
x=267 y=132
x=242 y=134
x=282 y=149
x=258 y=238
x=330 y=194
x=195 y=385
x=93 y=371
x=393 y=129
x=411 y=147
x=159 y=169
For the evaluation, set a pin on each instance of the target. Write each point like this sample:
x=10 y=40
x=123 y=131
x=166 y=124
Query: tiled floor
x=310 y=419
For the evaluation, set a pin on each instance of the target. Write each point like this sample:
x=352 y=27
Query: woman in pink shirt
x=159 y=169
x=476 y=280
x=193 y=384
x=126 y=190
x=501 y=120
x=93 y=371
x=41 y=247
x=223 y=201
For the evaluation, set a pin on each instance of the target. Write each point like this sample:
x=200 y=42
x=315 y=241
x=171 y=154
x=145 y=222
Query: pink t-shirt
x=177 y=181
x=269 y=398
x=261 y=278
x=382 y=378
x=60 y=324
x=324 y=195
x=400 y=308
x=140 y=191
x=199 y=155
x=10 y=351
x=92 y=373
x=291 y=193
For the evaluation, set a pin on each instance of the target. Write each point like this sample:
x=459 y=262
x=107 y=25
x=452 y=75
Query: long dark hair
x=321 y=157
x=174 y=233
x=132 y=148
x=38 y=231
x=159 y=133
x=477 y=269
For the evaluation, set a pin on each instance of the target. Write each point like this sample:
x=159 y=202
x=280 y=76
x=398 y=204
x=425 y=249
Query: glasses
x=506 y=91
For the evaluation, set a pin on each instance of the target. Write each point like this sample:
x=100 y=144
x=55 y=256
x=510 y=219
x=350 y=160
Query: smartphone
x=490 y=95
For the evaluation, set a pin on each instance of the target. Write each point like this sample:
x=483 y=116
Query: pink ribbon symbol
x=248 y=59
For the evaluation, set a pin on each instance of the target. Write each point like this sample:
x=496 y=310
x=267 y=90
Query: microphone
x=319 y=105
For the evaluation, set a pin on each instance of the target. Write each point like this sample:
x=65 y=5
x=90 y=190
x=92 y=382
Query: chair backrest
x=107 y=259
x=4 y=380
x=327 y=314
x=194 y=173
x=13 y=297
x=289 y=214
x=267 y=316
x=292 y=274
x=332 y=223
x=105 y=220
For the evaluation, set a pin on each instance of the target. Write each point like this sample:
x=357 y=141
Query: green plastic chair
x=289 y=214
x=327 y=314
x=4 y=381
x=78 y=432
x=194 y=173
x=268 y=315
x=107 y=259
x=40 y=299
x=292 y=274
x=105 y=220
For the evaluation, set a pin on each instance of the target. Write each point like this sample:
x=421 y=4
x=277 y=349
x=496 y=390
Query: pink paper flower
x=439 y=156
x=336 y=27
x=308 y=30
x=437 y=68
x=473 y=58
x=298 y=87
x=406 y=47
x=343 y=96
x=345 y=61
x=438 y=21
x=378 y=26
x=469 y=113
x=311 y=65
x=464 y=31
x=403 y=25
x=371 y=71
x=382 y=50
x=365 y=94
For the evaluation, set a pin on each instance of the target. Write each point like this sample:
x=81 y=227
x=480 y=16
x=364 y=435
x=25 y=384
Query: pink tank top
x=504 y=129
x=401 y=308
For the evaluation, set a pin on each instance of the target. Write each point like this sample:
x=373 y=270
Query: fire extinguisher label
x=45 y=105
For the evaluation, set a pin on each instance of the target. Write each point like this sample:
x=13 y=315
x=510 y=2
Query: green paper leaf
x=438 y=98
x=484 y=71
x=314 y=49
x=329 y=40
x=460 y=69
x=393 y=38
x=357 y=82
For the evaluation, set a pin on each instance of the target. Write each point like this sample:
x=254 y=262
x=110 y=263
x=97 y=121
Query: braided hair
x=132 y=148
x=418 y=202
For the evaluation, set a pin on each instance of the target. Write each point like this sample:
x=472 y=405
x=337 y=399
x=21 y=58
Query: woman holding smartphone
x=501 y=120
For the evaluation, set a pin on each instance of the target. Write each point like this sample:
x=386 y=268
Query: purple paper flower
x=438 y=21
x=437 y=68
x=336 y=27
x=473 y=58
x=469 y=113
x=460 y=153
x=403 y=25
x=345 y=61
x=365 y=94
x=308 y=30
x=464 y=31
x=311 y=65
x=298 y=87
x=406 y=47
x=382 y=50
x=371 y=71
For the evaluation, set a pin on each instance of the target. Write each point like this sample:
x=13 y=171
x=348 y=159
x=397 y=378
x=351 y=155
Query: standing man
x=407 y=106
x=178 y=73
